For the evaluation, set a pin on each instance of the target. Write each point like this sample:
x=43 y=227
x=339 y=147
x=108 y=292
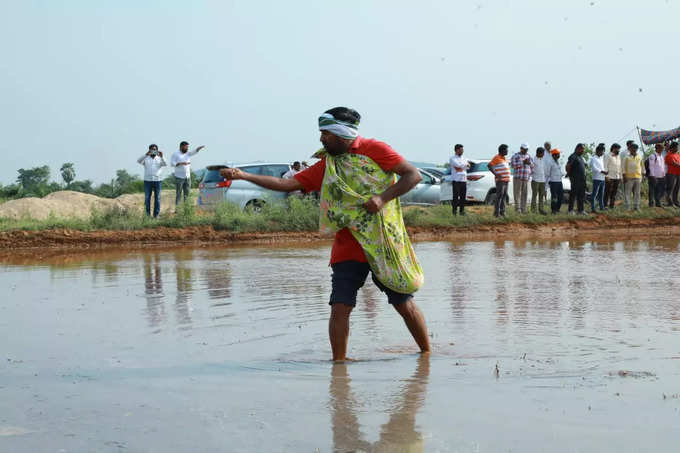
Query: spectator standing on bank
x=612 y=179
x=547 y=146
x=656 y=175
x=458 y=177
x=538 y=180
x=599 y=173
x=153 y=162
x=673 y=177
x=633 y=170
x=576 y=171
x=500 y=168
x=553 y=175
x=522 y=166
x=181 y=160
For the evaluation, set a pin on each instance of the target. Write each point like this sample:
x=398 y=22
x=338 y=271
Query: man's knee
x=340 y=310
x=408 y=309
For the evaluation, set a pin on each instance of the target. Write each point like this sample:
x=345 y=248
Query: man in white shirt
x=294 y=170
x=553 y=176
x=612 y=179
x=599 y=173
x=538 y=180
x=458 y=177
x=657 y=175
x=181 y=160
x=153 y=162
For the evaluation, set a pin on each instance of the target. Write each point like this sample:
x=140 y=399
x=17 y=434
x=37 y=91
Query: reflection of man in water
x=398 y=434
x=340 y=139
x=153 y=289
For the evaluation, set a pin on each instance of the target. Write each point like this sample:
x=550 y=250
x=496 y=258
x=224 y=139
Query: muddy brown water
x=562 y=346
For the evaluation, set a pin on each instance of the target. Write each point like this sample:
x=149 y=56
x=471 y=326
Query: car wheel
x=490 y=198
x=254 y=206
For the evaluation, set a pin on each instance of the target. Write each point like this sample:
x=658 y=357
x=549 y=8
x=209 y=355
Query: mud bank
x=14 y=241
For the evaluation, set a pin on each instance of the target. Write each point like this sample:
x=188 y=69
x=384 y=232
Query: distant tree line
x=35 y=182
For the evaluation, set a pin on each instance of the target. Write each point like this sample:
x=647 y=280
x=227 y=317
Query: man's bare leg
x=338 y=330
x=415 y=321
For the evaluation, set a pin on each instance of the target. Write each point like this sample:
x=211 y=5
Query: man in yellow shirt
x=633 y=170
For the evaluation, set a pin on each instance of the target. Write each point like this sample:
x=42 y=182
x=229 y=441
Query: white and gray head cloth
x=343 y=129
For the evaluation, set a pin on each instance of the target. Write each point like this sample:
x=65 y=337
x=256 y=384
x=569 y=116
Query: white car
x=481 y=185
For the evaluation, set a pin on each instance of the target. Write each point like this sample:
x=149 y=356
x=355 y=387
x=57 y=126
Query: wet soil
x=207 y=236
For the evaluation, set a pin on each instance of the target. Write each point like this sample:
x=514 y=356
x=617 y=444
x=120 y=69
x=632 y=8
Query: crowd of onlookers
x=611 y=172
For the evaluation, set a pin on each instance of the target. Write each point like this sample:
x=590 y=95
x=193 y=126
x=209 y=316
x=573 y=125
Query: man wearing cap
x=355 y=164
x=576 y=171
x=553 y=175
x=522 y=166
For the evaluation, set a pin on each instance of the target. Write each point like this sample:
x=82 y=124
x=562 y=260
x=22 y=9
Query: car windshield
x=276 y=170
x=212 y=176
x=479 y=166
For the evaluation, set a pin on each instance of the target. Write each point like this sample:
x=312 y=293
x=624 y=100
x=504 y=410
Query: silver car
x=213 y=189
x=426 y=192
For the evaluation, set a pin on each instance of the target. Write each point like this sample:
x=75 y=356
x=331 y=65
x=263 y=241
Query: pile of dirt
x=63 y=204
x=69 y=204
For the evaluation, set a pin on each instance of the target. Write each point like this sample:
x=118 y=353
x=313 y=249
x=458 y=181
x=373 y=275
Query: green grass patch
x=297 y=214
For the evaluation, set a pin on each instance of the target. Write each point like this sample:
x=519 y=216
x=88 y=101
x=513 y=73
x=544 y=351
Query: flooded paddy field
x=559 y=346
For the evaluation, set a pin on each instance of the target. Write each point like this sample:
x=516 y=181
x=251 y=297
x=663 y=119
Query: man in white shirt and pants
x=458 y=177
x=181 y=160
x=599 y=173
x=538 y=181
x=153 y=162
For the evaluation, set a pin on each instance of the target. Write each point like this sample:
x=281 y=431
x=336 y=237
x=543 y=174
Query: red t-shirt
x=673 y=158
x=345 y=247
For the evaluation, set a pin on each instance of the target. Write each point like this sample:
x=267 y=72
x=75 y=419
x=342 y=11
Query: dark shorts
x=349 y=276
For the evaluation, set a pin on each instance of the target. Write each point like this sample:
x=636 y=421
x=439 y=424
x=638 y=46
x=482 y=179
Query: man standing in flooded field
x=359 y=203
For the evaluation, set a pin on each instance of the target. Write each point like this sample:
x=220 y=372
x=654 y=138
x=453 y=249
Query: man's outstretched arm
x=268 y=182
x=410 y=177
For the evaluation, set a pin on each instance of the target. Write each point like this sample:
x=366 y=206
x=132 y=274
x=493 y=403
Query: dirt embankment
x=600 y=227
x=69 y=204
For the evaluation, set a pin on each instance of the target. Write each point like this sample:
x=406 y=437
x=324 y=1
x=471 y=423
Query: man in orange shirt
x=500 y=168
x=339 y=135
x=673 y=176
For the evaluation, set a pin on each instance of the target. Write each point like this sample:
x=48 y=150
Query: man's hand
x=458 y=168
x=160 y=153
x=232 y=173
x=374 y=204
x=200 y=148
x=148 y=153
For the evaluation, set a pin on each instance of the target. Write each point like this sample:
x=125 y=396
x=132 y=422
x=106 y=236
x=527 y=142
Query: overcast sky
x=95 y=82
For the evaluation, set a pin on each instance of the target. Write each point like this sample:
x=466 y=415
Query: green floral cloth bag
x=349 y=182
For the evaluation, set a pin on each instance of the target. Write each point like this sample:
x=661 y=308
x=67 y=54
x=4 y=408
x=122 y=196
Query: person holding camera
x=153 y=162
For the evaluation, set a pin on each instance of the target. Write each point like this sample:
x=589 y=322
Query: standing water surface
x=538 y=346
